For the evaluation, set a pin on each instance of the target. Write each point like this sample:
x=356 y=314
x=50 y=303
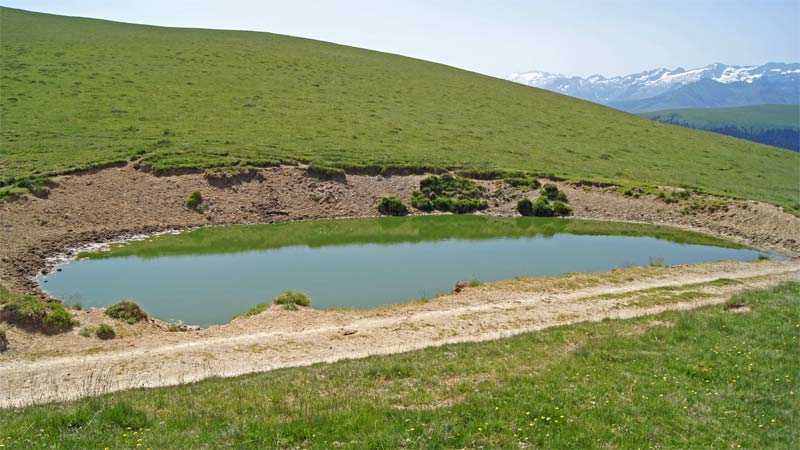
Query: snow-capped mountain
x=724 y=86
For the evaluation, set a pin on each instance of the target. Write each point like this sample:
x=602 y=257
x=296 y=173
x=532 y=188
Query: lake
x=209 y=275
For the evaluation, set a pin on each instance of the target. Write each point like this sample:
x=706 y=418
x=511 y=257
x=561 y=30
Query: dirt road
x=69 y=366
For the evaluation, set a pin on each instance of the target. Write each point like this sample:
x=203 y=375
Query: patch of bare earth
x=119 y=201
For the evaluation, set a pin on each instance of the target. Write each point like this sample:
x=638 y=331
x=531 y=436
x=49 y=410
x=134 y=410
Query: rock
x=460 y=286
x=349 y=332
x=3 y=341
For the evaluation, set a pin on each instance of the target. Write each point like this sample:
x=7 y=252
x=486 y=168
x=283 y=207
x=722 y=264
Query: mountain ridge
x=715 y=85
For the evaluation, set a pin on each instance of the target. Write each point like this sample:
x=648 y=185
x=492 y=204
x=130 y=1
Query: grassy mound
x=291 y=300
x=32 y=312
x=126 y=311
x=80 y=93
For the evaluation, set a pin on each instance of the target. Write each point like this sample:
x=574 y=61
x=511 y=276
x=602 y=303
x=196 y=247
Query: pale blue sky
x=611 y=37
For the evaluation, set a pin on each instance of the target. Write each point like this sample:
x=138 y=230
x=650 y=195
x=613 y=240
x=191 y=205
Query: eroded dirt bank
x=69 y=366
x=118 y=201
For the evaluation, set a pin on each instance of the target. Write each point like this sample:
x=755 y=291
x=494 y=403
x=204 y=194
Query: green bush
x=421 y=202
x=126 y=311
x=542 y=208
x=59 y=319
x=468 y=205
x=448 y=193
x=561 y=208
x=523 y=182
x=392 y=206
x=105 y=332
x=443 y=203
x=33 y=312
x=194 y=201
x=87 y=331
x=449 y=186
x=291 y=300
x=321 y=172
x=525 y=207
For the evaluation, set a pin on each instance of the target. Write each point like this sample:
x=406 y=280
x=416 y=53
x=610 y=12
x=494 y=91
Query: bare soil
x=120 y=201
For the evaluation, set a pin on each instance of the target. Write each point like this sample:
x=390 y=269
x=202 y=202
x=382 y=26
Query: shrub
x=467 y=205
x=523 y=182
x=3 y=341
x=59 y=319
x=33 y=312
x=449 y=186
x=542 y=208
x=561 y=197
x=87 y=331
x=561 y=208
x=525 y=207
x=291 y=300
x=105 y=332
x=419 y=201
x=550 y=191
x=194 y=201
x=126 y=311
x=448 y=193
x=321 y=172
x=443 y=203
x=392 y=206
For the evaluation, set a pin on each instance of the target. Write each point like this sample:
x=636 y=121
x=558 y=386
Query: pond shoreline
x=39 y=229
x=360 y=263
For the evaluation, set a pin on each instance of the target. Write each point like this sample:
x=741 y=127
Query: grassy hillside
x=777 y=125
x=707 y=378
x=79 y=93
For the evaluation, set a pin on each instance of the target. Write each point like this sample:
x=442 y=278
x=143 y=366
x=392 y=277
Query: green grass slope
x=777 y=125
x=710 y=379
x=80 y=93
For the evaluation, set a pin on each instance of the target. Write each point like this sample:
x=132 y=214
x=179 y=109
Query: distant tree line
x=788 y=138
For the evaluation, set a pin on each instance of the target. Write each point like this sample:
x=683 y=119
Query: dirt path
x=147 y=356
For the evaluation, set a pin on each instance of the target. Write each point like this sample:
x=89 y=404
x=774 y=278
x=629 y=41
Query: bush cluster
x=392 y=206
x=448 y=193
x=126 y=311
x=551 y=202
x=291 y=300
x=33 y=312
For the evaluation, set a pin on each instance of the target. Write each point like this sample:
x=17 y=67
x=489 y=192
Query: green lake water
x=209 y=275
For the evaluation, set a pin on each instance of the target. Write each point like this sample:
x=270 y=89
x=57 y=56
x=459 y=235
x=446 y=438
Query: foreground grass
x=708 y=378
x=80 y=93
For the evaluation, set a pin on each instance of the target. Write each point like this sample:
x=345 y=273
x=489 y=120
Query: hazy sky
x=496 y=37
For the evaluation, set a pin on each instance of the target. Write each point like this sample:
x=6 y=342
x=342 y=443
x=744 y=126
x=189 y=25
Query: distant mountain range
x=713 y=86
